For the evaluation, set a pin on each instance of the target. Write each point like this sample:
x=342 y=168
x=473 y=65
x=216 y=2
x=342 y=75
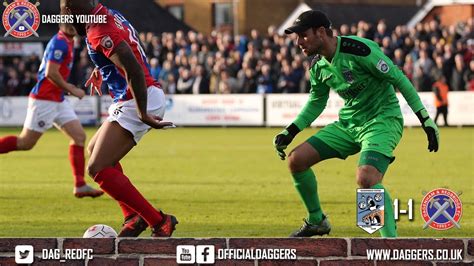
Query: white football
x=100 y=231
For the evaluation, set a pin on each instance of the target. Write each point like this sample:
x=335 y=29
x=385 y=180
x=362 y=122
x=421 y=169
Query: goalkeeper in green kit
x=370 y=121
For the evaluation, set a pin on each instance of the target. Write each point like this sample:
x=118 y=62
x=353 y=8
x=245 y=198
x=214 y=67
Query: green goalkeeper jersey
x=364 y=77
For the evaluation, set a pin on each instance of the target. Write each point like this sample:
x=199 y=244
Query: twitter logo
x=24 y=254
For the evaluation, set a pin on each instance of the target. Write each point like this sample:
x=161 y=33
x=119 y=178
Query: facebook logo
x=24 y=254
x=205 y=254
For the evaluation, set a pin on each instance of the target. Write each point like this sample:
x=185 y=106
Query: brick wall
x=451 y=14
x=314 y=251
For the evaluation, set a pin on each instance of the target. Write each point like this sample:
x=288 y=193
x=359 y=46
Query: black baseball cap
x=309 y=19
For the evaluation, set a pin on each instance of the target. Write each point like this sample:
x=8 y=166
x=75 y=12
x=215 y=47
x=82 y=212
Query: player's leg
x=378 y=142
x=445 y=115
x=112 y=144
x=90 y=146
x=116 y=138
x=39 y=118
x=438 y=112
x=300 y=160
x=67 y=121
x=24 y=142
x=128 y=212
x=370 y=172
x=316 y=149
x=74 y=130
x=8 y=144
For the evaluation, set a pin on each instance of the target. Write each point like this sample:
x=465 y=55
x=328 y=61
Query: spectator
x=185 y=82
x=266 y=83
x=387 y=47
x=165 y=71
x=2 y=79
x=13 y=83
x=440 y=90
x=248 y=81
x=169 y=85
x=430 y=47
x=381 y=32
x=409 y=67
x=288 y=82
x=421 y=80
x=398 y=58
x=27 y=83
x=457 y=76
x=424 y=62
x=227 y=83
x=469 y=76
x=155 y=68
x=438 y=68
x=201 y=81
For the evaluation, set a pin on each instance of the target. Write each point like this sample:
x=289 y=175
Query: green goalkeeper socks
x=390 y=227
x=307 y=187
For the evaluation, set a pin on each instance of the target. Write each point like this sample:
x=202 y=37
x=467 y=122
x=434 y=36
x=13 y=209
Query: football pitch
x=226 y=182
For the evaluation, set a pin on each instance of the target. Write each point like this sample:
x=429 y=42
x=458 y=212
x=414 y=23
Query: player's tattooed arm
x=53 y=74
x=124 y=58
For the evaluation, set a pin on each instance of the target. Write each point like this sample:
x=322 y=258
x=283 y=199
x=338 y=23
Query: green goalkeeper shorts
x=378 y=136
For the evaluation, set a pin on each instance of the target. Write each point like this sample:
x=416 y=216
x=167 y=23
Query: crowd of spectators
x=220 y=63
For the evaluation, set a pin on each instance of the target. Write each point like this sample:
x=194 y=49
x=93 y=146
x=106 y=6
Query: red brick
x=360 y=245
x=8 y=244
x=7 y=261
x=307 y=247
x=345 y=263
x=98 y=245
x=40 y=262
x=470 y=247
x=99 y=261
x=172 y=262
x=235 y=263
x=287 y=262
x=159 y=262
x=454 y=263
x=163 y=246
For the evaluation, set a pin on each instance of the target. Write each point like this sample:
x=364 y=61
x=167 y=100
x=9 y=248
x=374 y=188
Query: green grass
x=226 y=182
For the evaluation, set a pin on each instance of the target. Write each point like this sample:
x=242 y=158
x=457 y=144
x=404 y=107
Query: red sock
x=118 y=167
x=76 y=158
x=127 y=211
x=119 y=187
x=8 y=144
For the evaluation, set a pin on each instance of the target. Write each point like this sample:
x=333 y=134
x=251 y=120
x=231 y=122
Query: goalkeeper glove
x=430 y=128
x=284 y=138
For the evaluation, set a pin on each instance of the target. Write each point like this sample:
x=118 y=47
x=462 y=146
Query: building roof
x=352 y=13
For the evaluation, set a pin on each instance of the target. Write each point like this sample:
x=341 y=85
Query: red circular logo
x=21 y=19
x=441 y=209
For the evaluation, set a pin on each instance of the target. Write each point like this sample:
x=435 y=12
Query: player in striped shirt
x=47 y=107
x=139 y=104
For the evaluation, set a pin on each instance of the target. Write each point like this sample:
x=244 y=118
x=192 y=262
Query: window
x=177 y=11
x=223 y=14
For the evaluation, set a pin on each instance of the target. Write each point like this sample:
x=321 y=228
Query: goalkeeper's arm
x=413 y=100
x=319 y=96
x=382 y=67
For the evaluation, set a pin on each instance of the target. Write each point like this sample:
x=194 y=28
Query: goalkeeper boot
x=308 y=230
x=133 y=226
x=166 y=227
x=87 y=191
